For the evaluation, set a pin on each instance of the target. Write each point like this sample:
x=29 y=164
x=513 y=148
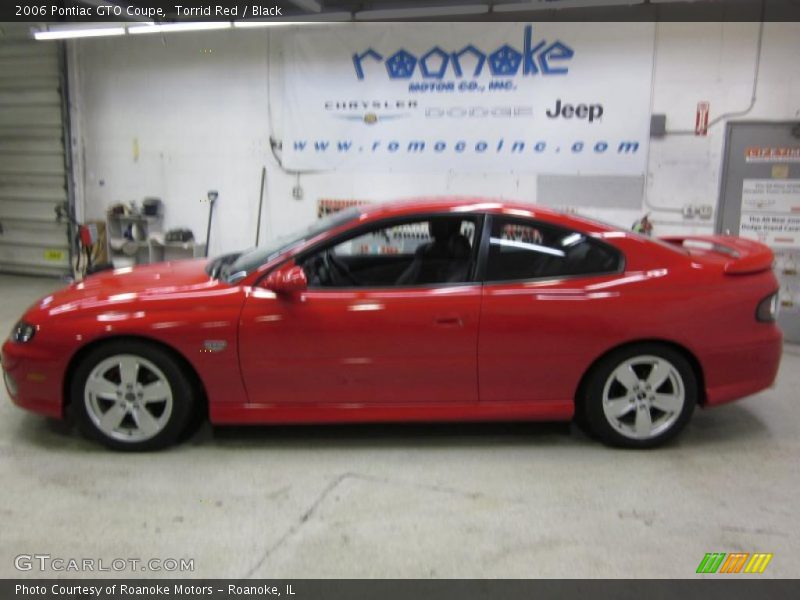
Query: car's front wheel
x=132 y=395
x=639 y=396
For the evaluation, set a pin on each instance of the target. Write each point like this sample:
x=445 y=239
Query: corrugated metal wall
x=33 y=174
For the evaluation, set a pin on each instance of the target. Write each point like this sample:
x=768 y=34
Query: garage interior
x=188 y=117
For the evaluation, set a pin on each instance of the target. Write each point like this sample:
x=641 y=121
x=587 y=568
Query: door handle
x=449 y=321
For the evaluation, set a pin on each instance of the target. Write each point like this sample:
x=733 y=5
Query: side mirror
x=287 y=280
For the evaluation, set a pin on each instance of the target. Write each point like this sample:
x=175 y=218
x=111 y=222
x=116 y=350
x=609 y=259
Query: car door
x=366 y=341
x=543 y=311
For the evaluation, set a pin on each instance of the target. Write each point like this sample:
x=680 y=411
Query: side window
x=438 y=249
x=521 y=249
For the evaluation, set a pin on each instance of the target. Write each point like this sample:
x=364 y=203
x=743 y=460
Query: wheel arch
x=697 y=368
x=187 y=367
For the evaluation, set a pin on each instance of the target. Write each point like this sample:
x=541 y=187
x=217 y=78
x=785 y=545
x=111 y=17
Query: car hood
x=130 y=284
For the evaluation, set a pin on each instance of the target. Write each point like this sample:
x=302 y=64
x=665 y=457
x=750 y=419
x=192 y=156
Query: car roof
x=473 y=204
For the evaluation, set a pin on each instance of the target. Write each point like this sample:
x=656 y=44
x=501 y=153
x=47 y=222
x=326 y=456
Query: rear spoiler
x=746 y=256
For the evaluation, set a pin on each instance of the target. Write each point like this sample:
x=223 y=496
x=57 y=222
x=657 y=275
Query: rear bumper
x=33 y=379
x=735 y=372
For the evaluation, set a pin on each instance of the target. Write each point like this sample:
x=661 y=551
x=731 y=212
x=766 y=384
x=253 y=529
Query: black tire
x=183 y=395
x=591 y=414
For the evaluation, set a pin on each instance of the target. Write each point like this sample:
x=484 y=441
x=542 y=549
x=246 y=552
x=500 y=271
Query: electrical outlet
x=297 y=192
x=688 y=211
x=704 y=211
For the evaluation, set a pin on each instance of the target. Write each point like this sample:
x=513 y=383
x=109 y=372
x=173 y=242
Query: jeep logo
x=505 y=61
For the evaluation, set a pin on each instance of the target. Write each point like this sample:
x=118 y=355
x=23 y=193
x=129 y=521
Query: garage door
x=33 y=177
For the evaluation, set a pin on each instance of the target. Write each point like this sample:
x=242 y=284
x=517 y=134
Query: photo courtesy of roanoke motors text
x=347 y=299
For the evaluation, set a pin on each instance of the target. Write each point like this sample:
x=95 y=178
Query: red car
x=424 y=310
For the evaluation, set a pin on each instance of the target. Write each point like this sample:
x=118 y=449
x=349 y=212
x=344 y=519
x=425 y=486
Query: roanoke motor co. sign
x=571 y=98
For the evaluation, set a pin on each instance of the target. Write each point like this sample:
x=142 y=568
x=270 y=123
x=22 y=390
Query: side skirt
x=252 y=414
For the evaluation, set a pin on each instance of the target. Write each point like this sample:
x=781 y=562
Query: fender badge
x=214 y=345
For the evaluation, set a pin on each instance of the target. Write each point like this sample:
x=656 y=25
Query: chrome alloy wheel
x=643 y=397
x=128 y=398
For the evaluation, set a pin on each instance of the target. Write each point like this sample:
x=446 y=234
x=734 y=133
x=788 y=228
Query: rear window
x=523 y=249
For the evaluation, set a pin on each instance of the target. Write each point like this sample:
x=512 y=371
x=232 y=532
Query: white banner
x=561 y=98
x=771 y=211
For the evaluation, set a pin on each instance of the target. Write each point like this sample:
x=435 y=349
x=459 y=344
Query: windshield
x=246 y=262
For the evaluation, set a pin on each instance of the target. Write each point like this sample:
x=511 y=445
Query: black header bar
x=734 y=587
x=167 y=11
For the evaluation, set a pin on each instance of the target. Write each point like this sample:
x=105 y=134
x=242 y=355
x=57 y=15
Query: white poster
x=561 y=98
x=771 y=211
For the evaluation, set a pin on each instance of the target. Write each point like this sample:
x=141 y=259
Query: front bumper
x=33 y=378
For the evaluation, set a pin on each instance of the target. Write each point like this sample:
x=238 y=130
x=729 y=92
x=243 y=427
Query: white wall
x=198 y=118
x=198 y=107
x=713 y=62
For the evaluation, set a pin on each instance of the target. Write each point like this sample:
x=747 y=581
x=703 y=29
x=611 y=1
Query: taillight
x=767 y=310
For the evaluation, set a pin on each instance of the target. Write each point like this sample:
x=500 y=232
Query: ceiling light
x=303 y=20
x=270 y=23
x=174 y=27
x=445 y=10
x=67 y=34
x=340 y=15
x=309 y=5
x=558 y=4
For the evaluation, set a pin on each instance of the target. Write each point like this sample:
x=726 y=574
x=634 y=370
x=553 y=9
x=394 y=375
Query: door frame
x=486 y=242
x=480 y=219
x=723 y=172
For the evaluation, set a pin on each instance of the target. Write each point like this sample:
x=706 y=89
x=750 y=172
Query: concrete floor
x=518 y=501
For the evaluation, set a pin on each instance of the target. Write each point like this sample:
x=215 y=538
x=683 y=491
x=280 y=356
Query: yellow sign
x=780 y=171
x=54 y=254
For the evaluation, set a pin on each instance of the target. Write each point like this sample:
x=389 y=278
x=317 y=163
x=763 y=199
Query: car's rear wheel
x=639 y=396
x=131 y=395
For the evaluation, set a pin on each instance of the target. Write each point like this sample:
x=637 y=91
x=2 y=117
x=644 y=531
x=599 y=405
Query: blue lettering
x=555 y=51
x=505 y=61
x=357 y=58
x=401 y=64
x=444 y=57
x=501 y=85
x=456 y=60
x=530 y=53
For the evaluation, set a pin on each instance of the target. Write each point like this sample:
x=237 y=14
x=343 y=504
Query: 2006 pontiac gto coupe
x=423 y=310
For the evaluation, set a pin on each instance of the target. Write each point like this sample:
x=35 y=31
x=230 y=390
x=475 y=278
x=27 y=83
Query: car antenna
x=260 y=203
x=212 y=197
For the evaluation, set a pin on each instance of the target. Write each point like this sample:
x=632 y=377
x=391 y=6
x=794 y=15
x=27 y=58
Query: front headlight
x=767 y=310
x=23 y=332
